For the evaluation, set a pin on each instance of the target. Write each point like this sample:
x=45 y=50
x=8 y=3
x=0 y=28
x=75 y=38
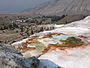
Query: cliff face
x=59 y=7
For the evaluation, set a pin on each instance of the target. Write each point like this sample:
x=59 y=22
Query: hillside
x=60 y=7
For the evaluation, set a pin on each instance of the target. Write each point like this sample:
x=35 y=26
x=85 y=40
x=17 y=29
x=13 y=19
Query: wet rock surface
x=11 y=58
x=76 y=57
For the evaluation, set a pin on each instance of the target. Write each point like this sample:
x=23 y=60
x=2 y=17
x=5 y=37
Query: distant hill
x=60 y=7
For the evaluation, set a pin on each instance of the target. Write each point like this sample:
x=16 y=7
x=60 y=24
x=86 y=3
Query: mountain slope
x=59 y=7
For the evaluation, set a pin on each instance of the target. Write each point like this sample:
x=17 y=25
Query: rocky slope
x=60 y=7
x=76 y=57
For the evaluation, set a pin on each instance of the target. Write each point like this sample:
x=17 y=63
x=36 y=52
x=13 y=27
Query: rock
x=11 y=58
x=67 y=58
x=77 y=57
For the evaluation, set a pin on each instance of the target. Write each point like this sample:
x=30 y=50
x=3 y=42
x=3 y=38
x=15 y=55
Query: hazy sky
x=17 y=5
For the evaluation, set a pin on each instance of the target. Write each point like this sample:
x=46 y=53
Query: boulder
x=11 y=58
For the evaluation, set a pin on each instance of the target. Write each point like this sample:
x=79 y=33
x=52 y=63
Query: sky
x=11 y=6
